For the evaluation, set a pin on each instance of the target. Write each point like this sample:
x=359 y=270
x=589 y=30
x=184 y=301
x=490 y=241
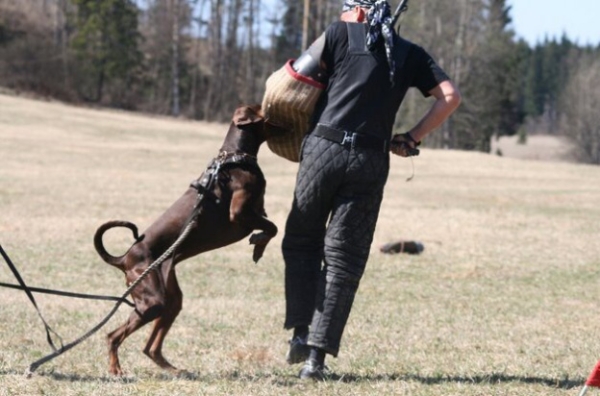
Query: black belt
x=351 y=140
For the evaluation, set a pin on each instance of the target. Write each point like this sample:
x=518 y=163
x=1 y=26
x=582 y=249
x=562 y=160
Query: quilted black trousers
x=328 y=235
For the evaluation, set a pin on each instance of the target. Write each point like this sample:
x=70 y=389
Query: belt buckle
x=349 y=138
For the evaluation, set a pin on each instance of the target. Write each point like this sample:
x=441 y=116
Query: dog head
x=251 y=117
x=246 y=115
x=246 y=132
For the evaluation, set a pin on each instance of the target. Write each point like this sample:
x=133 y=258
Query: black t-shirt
x=359 y=95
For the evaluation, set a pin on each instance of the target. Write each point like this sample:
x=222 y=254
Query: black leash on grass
x=68 y=294
x=84 y=337
x=27 y=290
x=203 y=186
x=30 y=290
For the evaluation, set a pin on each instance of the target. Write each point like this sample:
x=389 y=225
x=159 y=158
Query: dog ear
x=245 y=115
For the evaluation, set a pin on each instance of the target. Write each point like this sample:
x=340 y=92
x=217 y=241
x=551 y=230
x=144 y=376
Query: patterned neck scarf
x=379 y=19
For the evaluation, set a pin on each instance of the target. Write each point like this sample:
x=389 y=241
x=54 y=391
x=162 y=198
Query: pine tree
x=106 y=45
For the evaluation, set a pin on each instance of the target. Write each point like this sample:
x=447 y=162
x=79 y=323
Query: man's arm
x=447 y=98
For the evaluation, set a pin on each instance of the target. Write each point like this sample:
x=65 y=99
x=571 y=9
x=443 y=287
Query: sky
x=534 y=20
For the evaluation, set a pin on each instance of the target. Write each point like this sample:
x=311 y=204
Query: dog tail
x=99 y=245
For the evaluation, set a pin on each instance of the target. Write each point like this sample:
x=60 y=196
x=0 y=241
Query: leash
x=30 y=290
x=29 y=293
x=68 y=294
x=150 y=268
x=203 y=186
x=412 y=176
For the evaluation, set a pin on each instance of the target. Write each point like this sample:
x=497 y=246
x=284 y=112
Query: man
x=343 y=169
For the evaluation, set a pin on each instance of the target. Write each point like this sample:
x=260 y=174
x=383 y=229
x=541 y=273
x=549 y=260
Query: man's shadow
x=492 y=378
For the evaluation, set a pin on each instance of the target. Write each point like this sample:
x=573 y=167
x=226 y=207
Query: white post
x=583 y=391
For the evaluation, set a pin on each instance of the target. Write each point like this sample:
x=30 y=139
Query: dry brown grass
x=504 y=300
x=536 y=147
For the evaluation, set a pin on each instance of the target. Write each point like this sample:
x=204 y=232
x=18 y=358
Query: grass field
x=505 y=299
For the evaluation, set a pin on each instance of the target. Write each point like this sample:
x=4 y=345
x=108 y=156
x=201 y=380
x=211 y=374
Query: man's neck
x=357 y=14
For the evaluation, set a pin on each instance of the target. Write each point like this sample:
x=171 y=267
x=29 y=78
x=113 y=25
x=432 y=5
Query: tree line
x=201 y=58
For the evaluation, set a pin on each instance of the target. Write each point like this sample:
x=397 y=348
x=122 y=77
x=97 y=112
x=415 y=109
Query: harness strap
x=205 y=182
x=225 y=158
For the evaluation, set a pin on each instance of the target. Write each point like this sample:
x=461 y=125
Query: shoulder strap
x=357 y=43
x=356 y=38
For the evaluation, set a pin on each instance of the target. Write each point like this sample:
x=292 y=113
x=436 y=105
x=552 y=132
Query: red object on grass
x=594 y=378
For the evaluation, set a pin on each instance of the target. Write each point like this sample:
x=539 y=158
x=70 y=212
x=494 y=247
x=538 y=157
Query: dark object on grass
x=410 y=247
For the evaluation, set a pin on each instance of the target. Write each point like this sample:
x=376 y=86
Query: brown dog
x=232 y=207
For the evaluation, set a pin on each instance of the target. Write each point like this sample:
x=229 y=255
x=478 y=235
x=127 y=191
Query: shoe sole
x=312 y=374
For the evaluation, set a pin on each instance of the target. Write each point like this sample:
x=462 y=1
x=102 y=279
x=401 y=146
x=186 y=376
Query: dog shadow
x=70 y=377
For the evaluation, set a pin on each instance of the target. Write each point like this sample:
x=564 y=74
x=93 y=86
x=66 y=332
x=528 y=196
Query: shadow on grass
x=235 y=376
x=61 y=377
x=283 y=378
x=12 y=372
x=67 y=377
x=493 y=378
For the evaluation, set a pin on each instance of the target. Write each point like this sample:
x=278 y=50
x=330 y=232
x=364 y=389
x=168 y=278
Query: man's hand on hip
x=404 y=145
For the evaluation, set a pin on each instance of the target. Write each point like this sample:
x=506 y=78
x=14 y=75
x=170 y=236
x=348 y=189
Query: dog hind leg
x=116 y=338
x=149 y=305
x=162 y=325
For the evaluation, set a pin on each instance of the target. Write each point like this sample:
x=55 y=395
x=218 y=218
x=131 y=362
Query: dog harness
x=205 y=183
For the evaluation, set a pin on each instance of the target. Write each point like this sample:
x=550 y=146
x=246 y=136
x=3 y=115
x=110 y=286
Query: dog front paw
x=259 y=239
x=258 y=252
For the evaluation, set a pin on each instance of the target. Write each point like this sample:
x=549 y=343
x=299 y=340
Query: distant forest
x=201 y=58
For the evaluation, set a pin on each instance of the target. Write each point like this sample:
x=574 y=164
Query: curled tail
x=107 y=257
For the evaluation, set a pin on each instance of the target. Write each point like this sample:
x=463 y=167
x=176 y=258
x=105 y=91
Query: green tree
x=106 y=46
x=491 y=88
x=548 y=69
x=534 y=84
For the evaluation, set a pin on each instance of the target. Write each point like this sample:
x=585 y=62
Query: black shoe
x=313 y=370
x=298 y=351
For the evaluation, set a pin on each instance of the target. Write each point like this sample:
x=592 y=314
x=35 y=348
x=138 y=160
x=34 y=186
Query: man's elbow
x=453 y=98
x=448 y=95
